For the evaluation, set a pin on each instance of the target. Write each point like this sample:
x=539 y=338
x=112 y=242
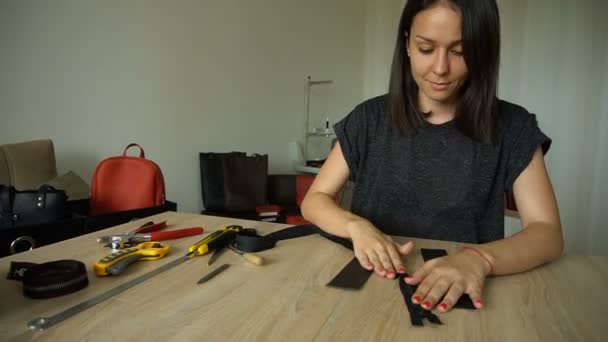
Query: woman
x=434 y=157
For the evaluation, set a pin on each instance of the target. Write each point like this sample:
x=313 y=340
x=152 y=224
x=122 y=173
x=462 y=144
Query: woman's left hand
x=452 y=276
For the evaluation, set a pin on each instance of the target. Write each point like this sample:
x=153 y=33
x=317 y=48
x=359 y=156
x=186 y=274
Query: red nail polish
x=426 y=304
x=417 y=299
x=443 y=306
x=479 y=302
x=402 y=270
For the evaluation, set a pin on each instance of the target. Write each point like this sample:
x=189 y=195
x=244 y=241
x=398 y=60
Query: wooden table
x=287 y=300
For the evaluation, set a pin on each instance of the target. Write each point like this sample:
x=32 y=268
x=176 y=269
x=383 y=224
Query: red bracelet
x=481 y=254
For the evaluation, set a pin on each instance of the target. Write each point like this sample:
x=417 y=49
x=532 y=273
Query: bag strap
x=141 y=150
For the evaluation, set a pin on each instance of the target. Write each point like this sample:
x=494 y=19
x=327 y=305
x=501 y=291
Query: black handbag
x=31 y=207
x=233 y=182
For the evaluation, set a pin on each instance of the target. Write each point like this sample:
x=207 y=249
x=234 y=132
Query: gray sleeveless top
x=437 y=183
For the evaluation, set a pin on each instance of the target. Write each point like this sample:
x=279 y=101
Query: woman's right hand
x=376 y=250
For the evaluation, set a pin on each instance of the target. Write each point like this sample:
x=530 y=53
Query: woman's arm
x=373 y=249
x=540 y=240
x=319 y=205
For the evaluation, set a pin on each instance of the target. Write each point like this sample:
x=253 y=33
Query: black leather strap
x=352 y=276
x=417 y=313
x=50 y=279
x=249 y=241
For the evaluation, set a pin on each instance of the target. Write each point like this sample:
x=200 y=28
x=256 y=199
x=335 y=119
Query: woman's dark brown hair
x=477 y=106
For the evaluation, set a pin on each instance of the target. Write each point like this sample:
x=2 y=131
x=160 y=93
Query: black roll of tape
x=50 y=279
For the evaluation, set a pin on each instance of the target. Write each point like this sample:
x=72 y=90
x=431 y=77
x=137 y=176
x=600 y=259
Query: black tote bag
x=233 y=182
x=31 y=207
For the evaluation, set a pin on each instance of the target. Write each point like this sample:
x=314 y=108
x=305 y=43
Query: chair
x=288 y=191
x=28 y=164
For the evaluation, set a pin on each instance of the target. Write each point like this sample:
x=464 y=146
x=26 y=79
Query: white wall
x=598 y=215
x=179 y=77
x=562 y=58
x=381 y=24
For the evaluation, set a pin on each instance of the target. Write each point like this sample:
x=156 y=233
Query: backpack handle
x=141 y=150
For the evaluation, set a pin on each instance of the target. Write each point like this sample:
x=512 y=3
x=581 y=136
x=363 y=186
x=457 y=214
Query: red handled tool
x=147 y=232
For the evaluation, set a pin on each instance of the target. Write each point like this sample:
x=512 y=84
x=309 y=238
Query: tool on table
x=42 y=323
x=216 y=253
x=117 y=262
x=213 y=273
x=249 y=257
x=219 y=239
x=147 y=232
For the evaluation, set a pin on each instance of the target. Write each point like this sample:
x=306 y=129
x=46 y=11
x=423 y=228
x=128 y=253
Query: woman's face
x=435 y=50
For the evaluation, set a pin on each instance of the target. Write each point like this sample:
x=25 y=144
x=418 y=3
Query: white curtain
x=554 y=62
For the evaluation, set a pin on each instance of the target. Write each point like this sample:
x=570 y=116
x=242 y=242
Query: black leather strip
x=17 y=271
x=50 y=279
x=249 y=241
x=417 y=313
x=352 y=276
x=430 y=253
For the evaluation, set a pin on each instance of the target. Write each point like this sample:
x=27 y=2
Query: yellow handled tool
x=253 y=259
x=215 y=240
x=116 y=263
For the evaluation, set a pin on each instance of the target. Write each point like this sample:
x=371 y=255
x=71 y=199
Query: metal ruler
x=42 y=323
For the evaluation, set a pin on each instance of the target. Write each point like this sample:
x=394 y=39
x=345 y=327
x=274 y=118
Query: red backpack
x=125 y=183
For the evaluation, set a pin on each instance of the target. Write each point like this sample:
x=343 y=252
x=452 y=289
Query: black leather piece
x=352 y=276
x=248 y=241
x=417 y=313
x=17 y=271
x=429 y=253
x=50 y=279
